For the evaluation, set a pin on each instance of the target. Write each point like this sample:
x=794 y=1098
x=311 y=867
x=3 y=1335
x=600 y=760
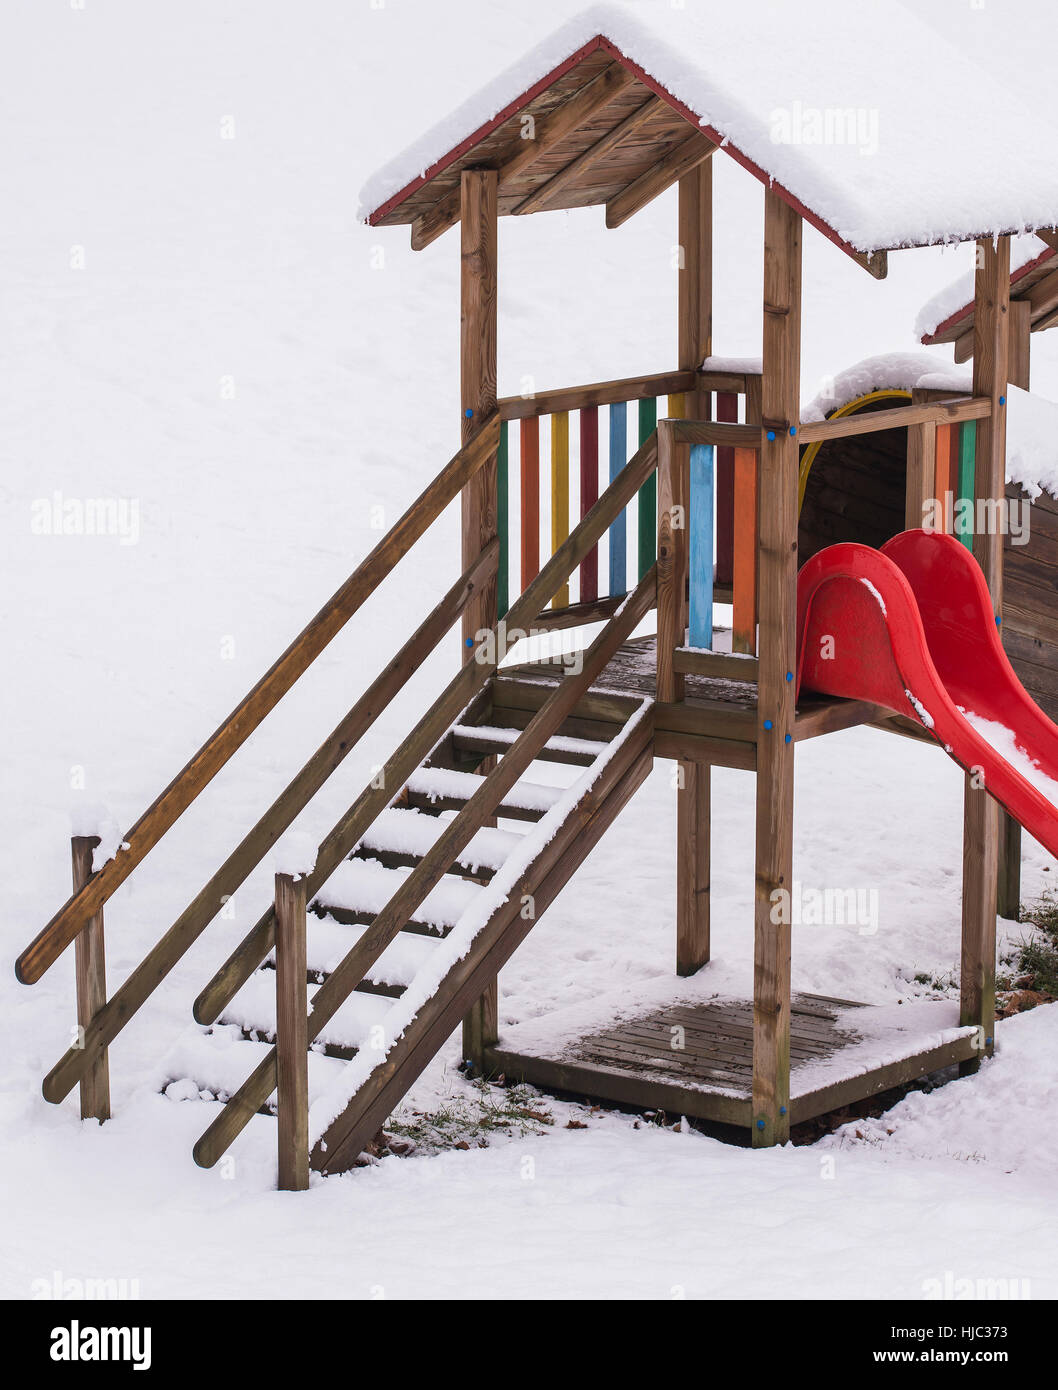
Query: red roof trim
x=968 y=309
x=600 y=41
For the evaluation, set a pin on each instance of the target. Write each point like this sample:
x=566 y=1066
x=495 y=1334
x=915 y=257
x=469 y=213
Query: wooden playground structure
x=718 y=472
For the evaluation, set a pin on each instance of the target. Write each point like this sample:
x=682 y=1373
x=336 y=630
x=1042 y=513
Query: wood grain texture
x=529 y=486
x=90 y=973
x=292 y=1043
x=672 y=559
x=663 y=174
x=692 y=867
x=477 y=379
x=777 y=659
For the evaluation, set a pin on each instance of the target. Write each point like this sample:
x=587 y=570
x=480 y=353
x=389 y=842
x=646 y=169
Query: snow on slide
x=911 y=627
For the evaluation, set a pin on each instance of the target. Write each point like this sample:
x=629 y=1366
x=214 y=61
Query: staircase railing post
x=292 y=1040
x=90 y=968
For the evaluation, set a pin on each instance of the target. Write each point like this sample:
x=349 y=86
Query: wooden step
x=360 y=888
x=486 y=738
x=401 y=836
x=435 y=790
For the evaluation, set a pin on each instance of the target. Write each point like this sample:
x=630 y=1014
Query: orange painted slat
x=744 y=564
x=943 y=472
x=529 y=464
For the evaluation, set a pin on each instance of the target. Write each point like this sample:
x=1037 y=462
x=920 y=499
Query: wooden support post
x=692 y=867
x=90 y=969
x=672 y=561
x=980 y=880
x=292 y=1033
x=695 y=293
x=921 y=471
x=1008 y=897
x=776 y=656
x=477 y=373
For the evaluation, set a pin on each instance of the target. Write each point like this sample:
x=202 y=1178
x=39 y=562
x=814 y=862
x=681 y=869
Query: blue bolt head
x=468 y=413
x=1002 y=400
x=767 y=723
x=789 y=737
x=793 y=431
x=771 y=436
x=789 y=675
x=999 y=621
x=470 y=641
x=988 y=1042
x=760 y=1124
x=782 y=1109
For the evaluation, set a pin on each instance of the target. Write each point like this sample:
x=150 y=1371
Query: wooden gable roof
x=1033 y=285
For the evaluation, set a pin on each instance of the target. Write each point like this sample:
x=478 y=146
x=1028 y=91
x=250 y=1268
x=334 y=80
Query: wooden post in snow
x=478 y=311
x=90 y=969
x=981 y=821
x=292 y=1033
x=777 y=600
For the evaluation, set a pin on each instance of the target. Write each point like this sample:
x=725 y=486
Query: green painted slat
x=502 y=524
x=648 y=493
x=967 y=490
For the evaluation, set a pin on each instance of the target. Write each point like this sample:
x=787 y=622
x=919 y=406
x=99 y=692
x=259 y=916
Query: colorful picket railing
x=956 y=452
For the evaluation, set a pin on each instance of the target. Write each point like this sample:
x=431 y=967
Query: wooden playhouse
x=417 y=897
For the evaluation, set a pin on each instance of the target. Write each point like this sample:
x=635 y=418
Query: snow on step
x=560 y=743
x=212 y=1064
x=254 y=1008
x=329 y=942
x=365 y=885
x=414 y=832
x=438 y=782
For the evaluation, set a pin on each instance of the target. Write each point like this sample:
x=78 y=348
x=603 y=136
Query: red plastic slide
x=911 y=627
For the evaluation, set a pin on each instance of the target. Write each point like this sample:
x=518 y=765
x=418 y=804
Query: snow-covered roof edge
x=956 y=300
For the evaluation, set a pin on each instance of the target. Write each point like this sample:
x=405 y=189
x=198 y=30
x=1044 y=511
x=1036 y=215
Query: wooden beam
x=875 y=263
x=1043 y=295
x=580 y=108
x=980 y=877
x=951 y=411
x=1008 y=897
x=667 y=171
x=292 y=1034
x=90 y=971
x=777 y=661
x=569 y=173
x=1047 y=321
x=692 y=867
x=1050 y=236
x=1020 y=343
x=695 y=282
x=672 y=562
x=477 y=370
x=631 y=388
x=921 y=469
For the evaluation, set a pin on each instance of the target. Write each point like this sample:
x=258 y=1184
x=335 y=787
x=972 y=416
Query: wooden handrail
x=716 y=432
x=635 y=388
x=245 y=1103
x=75 y=914
x=471 y=678
x=932 y=412
x=109 y=1020
x=255 y=946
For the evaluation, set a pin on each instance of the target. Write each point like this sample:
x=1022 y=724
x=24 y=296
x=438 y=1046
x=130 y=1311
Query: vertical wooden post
x=692 y=867
x=90 y=970
x=292 y=1033
x=1008 y=896
x=672 y=562
x=776 y=654
x=921 y=470
x=477 y=375
x=980 y=877
x=694 y=345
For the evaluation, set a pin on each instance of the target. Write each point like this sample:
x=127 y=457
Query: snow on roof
x=1032 y=420
x=956 y=299
x=865 y=115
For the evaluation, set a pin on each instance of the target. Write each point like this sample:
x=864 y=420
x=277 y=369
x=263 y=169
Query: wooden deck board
x=638 y=1062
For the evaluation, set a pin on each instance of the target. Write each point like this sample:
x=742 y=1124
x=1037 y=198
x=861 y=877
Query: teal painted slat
x=618 y=530
x=701 y=545
x=967 y=459
x=648 y=493
x=502 y=523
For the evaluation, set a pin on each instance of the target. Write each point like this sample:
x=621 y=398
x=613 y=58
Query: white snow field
x=194 y=324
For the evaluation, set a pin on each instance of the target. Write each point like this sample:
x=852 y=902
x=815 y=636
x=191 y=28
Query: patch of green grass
x=468 y=1122
x=1036 y=954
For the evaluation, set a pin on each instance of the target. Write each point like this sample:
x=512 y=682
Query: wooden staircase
x=419 y=894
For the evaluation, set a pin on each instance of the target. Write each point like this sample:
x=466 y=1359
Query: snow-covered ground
x=192 y=321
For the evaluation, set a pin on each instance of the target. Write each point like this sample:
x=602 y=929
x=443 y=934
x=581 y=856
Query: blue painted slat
x=618 y=530
x=700 y=523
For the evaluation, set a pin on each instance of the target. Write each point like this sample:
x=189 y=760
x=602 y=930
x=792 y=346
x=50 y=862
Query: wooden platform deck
x=716 y=722
x=696 y=1059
